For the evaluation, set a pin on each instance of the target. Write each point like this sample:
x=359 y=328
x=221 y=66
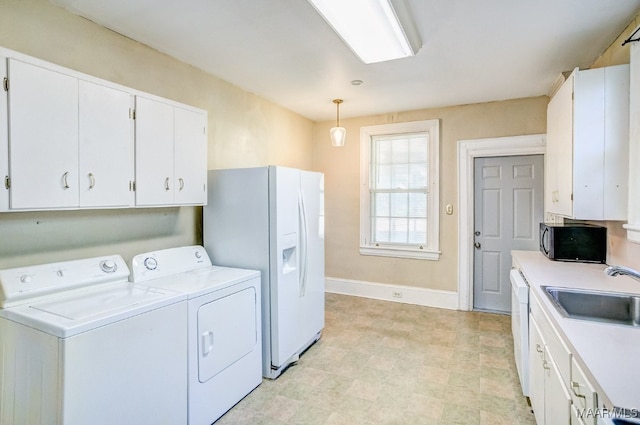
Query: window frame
x=431 y=250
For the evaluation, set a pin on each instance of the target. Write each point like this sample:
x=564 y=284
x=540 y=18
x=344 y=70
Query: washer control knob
x=108 y=266
x=150 y=263
x=25 y=278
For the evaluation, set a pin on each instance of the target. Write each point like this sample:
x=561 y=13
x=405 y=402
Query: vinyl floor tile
x=381 y=363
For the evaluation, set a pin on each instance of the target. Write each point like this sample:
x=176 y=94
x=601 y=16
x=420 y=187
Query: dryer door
x=226 y=332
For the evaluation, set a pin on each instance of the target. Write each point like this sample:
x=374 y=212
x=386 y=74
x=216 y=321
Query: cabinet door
x=4 y=141
x=536 y=371
x=559 y=158
x=43 y=137
x=588 y=144
x=106 y=146
x=190 y=147
x=154 y=152
x=557 y=401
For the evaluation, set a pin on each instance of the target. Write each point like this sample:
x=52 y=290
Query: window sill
x=413 y=253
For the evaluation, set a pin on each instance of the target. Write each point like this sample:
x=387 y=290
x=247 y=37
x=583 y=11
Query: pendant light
x=338 y=134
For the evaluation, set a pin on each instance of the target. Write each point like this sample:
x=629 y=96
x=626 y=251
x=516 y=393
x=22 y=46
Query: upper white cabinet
x=586 y=168
x=190 y=149
x=106 y=146
x=43 y=137
x=171 y=154
x=633 y=225
x=69 y=141
x=4 y=140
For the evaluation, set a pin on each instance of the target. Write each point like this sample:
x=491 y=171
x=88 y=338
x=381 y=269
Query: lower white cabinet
x=550 y=401
x=583 y=396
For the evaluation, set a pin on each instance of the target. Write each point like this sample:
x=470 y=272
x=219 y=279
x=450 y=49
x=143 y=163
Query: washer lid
x=69 y=315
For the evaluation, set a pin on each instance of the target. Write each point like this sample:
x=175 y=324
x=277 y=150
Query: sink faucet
x=618 y=270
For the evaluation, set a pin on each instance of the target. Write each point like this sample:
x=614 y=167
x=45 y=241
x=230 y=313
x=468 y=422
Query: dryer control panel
x=168 y=262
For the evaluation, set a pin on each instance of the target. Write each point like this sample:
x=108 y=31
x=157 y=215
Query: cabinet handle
x=576 y=386
x=545 y=365
x=538 y=348
x=65 y=181
x=92 y=181
x=166 y=184
x=181 y=180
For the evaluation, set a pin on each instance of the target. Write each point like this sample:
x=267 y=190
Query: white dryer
x=224 y=325
x=80 y=344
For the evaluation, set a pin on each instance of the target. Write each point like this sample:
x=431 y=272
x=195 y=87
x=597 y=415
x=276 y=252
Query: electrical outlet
x=397 y=294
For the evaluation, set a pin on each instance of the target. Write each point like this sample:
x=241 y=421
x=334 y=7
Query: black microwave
x=583 y=243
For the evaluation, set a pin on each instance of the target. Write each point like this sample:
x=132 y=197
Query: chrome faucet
x=618 y=270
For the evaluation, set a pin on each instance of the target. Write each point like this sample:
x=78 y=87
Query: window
x=399 y=202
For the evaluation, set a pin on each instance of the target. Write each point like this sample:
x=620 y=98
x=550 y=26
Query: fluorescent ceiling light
x=371 y=28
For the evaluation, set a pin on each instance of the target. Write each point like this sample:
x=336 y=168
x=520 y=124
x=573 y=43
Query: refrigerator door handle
x=302 y=220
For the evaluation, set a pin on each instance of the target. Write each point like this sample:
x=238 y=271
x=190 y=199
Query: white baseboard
x=395 y=293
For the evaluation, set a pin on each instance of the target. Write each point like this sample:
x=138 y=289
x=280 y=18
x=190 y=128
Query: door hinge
x=132 y=113
x=572 y=196
x=7 y=182
x=5 y=84
x=132 y=186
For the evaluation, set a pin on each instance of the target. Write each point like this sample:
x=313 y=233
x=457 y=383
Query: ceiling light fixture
x=375 y=30
x=338 y=134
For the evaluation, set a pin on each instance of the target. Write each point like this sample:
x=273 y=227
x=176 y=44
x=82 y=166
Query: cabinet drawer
x=557 y=348
x=583 y=395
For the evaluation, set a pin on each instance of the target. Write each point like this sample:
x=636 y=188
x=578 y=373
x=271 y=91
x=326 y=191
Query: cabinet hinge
x=132 y=113
x=7 y=182
x=572 y=196
x=132 y=186
x=5 y=84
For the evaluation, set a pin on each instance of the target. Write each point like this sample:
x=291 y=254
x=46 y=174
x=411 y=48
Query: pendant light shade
x=338 y=134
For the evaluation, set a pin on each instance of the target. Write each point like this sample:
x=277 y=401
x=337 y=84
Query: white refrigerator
x=272 y=219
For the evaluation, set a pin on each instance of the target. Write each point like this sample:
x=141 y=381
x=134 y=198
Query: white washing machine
x=79 y=345
x=224 y=325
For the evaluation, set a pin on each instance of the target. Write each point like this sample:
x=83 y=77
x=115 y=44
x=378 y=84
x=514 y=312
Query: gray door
x=508 y=208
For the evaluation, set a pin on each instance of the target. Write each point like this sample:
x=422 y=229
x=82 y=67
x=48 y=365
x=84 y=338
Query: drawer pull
x=576 y=386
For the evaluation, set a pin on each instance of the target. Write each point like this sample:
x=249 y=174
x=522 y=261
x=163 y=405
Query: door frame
x=468 y=150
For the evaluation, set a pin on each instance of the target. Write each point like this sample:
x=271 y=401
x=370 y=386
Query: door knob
x=477 y=245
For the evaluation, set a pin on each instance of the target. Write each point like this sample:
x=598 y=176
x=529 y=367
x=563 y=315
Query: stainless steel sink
x=599 y=306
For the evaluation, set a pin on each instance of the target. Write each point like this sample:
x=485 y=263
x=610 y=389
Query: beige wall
x=620 y=251
x=342 y=172
x=244 y=130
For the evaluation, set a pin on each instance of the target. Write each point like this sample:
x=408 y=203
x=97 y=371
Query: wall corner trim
x=395 y=293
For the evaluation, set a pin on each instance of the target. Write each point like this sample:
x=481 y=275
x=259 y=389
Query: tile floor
x=380 y=362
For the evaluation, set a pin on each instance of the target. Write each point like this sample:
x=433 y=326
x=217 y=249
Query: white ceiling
x=472 y=51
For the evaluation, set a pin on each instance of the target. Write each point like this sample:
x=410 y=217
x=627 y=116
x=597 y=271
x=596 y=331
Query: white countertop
x=609 y=352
